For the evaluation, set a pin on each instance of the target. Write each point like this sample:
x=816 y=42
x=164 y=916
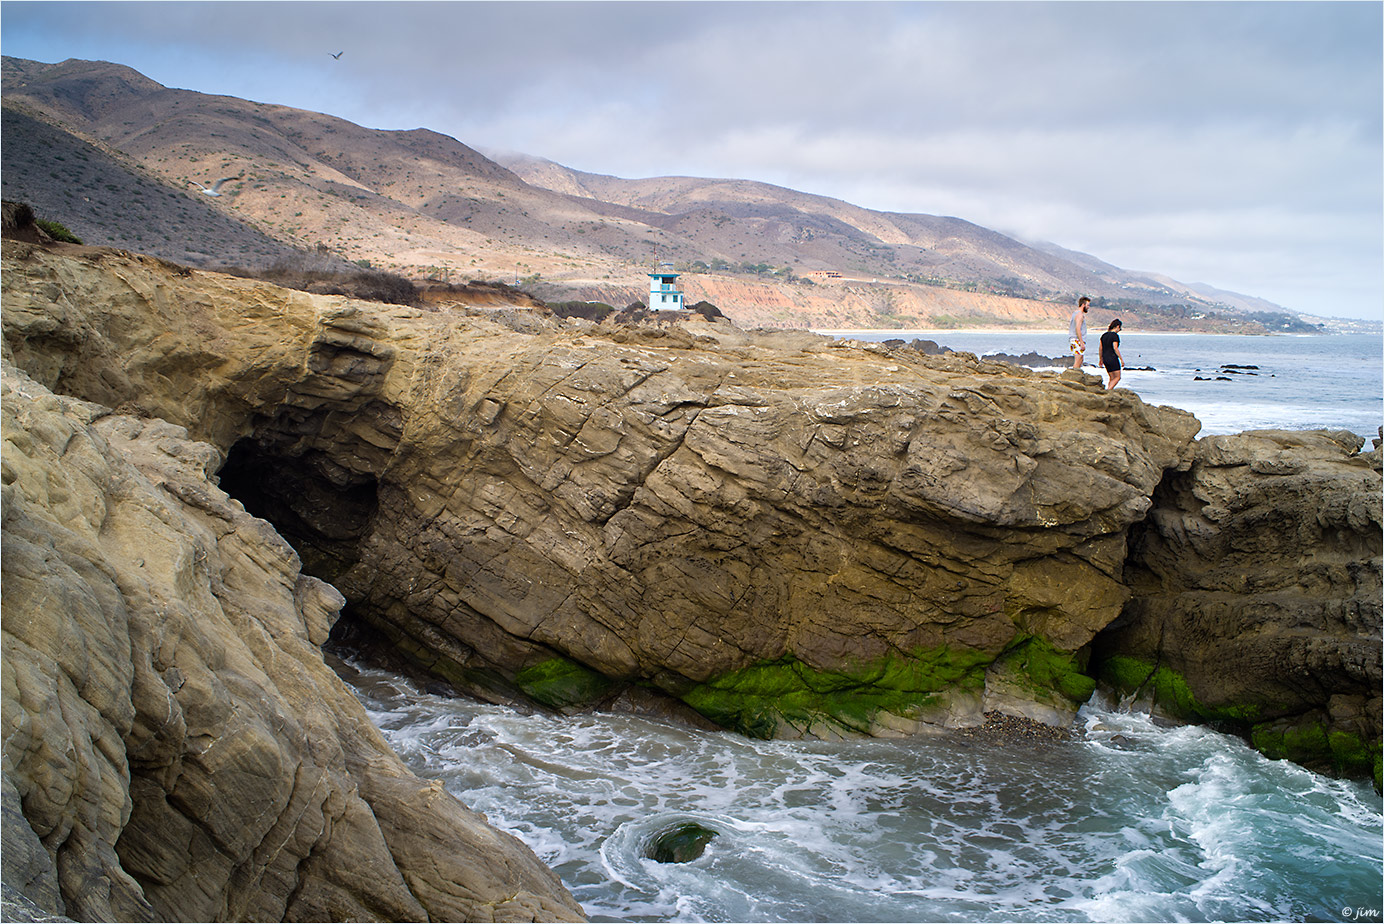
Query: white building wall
x=663 y=292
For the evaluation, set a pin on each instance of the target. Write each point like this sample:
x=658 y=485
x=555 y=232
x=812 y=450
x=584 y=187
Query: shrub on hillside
x=634 y=313
x=17 y=220
x=57 y=231
x=707 y=310
x=592 y=311
x=325 y=275
x=15 y=215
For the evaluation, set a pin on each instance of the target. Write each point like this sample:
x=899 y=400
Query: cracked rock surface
x=175 y=748
x=773 y=531
x=552 y=512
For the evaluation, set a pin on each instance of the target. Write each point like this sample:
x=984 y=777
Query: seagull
x=215 y=188
x=338 y=54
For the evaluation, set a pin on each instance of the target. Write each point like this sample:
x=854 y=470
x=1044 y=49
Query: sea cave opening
x=320 y=507
x=325 y=511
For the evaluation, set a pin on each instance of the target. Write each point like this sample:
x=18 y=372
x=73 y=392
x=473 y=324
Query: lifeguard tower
x=663 y=289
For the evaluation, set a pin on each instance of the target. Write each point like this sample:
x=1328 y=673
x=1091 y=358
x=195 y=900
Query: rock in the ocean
x=175 y=747
x=679 y=843
x=1256 y=597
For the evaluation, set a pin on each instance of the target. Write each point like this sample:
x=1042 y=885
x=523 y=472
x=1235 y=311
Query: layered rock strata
x=175 y=747
x=788 y=534
x=1256 y=597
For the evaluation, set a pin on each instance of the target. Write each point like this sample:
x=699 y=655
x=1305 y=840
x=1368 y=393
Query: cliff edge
x=789 y=534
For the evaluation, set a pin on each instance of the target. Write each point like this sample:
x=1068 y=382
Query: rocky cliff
x=1256 y=597
x=790 y=534
x=782 y=533
x=175 y=747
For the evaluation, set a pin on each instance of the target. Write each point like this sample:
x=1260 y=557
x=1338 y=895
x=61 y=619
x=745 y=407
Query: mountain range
x=124 y=161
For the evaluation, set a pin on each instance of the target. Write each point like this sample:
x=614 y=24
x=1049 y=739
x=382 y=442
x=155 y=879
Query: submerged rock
x=681 y=843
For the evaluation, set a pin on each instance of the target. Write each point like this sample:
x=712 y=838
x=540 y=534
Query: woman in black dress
x=1110 y=356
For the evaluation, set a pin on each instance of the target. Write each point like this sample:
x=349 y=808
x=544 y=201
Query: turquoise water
x=1128 y=822
x=1300 y=383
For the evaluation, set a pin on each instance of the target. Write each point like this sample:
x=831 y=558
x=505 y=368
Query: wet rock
x=1256 y=584
x=1005 y=728
x=681 y=843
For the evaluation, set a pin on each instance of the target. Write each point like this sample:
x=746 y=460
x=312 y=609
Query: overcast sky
x=1237 y=144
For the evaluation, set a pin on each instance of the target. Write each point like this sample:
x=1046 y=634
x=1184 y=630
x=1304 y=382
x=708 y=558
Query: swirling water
x=1128 y=821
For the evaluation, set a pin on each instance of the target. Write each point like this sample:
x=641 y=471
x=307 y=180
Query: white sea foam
x=1129 y=822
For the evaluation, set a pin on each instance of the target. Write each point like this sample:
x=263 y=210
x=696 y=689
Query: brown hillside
x=119 y=159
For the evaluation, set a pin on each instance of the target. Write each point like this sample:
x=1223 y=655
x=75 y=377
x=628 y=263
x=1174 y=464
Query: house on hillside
x=663 y=289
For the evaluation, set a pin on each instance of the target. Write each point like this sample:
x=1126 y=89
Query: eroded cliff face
x=790 y=534
x=779 y=533
x=1256 y=597
x=840 y=304
x=175 y=747
x=782 y=533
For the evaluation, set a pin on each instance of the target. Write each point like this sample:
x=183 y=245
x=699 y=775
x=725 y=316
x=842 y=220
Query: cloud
x=1235 y=143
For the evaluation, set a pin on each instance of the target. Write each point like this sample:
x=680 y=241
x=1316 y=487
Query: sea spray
x=1126 y=821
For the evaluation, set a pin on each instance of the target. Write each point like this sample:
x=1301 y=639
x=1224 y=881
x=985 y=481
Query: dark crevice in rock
x=322 y=510
x=1254 y=605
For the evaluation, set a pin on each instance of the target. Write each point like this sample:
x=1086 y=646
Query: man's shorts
x=1076 y=347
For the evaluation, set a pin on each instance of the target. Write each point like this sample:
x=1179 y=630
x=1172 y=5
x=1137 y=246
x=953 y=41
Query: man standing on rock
x=1077 y=334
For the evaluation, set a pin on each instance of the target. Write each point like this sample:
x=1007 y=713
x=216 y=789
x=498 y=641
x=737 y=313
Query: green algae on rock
x=788 y=698
x=561 y=682
x=1255 y=597
x=1311 y=739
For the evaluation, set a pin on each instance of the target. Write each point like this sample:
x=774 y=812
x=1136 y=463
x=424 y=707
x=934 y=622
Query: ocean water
x=1299 y=383
x=1128 y=821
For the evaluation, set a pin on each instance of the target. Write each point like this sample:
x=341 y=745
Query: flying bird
x=338 y=54
x=215 y=188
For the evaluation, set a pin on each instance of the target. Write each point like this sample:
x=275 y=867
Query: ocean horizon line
x=1055 y=331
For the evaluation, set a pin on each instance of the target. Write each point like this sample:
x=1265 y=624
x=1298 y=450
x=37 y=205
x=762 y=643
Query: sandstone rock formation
x=790 y=534
x=175 y=748
x=1256 y=597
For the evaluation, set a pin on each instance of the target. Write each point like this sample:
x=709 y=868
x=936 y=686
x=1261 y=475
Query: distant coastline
x=1062 y=332
x=1057 y=332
